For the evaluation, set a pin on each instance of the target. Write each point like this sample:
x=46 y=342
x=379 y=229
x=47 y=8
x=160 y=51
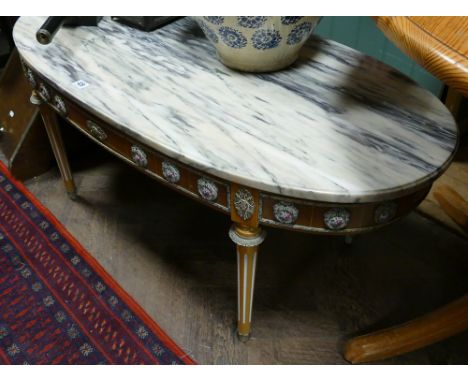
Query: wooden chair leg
x=426 y=330
x=453 y=101
x=453 y=204
x=442 y=323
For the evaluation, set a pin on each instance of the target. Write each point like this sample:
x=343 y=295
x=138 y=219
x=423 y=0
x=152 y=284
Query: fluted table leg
x=55 y=138
x=247 y=241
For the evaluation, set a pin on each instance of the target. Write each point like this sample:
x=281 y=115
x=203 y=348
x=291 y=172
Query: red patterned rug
x=57 y=304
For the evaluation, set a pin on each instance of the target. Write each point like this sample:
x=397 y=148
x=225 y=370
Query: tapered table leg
x=55 y=138
x=248 y=241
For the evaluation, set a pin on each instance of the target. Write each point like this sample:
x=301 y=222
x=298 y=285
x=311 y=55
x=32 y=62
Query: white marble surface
x=338 y=126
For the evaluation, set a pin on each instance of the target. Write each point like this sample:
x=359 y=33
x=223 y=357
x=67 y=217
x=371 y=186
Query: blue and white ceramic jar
x=258 y=43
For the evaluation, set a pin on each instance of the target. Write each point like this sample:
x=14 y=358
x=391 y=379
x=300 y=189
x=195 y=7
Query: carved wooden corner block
x=245 y=205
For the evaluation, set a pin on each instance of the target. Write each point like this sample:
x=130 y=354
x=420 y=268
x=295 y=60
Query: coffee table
x=337 y=144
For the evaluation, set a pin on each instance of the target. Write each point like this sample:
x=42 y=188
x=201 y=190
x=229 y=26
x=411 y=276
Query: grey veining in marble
x=337 y=126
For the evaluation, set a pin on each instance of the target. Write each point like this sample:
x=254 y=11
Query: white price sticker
x=81 y=84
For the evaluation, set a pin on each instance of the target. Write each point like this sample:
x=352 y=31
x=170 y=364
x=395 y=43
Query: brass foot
x=243 y=338
x=72 y=195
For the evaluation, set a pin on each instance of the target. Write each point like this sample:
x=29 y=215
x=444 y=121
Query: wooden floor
x=175 y=258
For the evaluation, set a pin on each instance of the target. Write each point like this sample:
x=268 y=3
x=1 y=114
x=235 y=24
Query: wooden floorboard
x=175 y=258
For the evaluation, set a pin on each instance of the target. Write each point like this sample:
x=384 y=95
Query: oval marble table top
x=337 y=126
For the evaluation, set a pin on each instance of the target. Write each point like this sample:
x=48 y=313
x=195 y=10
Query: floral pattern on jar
x=257 y=43
x=218 y=20
x=266 y=39
x=251 y=21
x=299 y=33
x=288 y=20
x=232 y=37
